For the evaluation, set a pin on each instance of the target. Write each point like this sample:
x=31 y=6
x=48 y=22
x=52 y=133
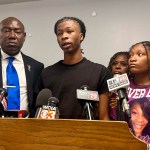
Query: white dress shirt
x=19 y=65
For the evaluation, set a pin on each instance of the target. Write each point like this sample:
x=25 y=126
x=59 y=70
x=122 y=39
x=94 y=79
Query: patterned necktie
x=13 y=97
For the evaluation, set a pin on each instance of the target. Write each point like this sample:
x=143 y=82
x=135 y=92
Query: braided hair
x=81 y=24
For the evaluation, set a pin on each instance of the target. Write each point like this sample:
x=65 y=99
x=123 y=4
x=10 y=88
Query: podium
x=42 y=134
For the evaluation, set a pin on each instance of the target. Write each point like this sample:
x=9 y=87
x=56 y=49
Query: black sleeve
x=105 y=75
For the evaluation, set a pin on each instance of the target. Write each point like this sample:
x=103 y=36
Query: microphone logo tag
x=48 y=112
x=118 y=82
x=87 y=95
x=49 y=107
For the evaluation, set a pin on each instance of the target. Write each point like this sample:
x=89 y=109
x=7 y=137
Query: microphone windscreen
x=3 y=92
x=43 y=97
x=53 y=101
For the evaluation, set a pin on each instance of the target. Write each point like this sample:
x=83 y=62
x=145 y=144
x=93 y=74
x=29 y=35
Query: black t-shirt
x=63 y=80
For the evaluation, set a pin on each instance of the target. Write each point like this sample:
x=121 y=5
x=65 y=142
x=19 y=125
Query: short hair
x=80 y=22
x=13 y=18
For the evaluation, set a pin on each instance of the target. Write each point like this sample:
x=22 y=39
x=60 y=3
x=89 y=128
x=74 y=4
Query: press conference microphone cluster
x=119 y=84
x=88 y=96
x=47 y=106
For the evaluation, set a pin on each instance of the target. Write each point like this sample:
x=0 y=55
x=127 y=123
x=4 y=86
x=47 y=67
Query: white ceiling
x=2 y=2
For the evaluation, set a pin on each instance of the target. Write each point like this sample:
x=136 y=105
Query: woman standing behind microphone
x=118 y=64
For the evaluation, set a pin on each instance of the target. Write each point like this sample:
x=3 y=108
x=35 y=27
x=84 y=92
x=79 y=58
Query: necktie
x=13 y=97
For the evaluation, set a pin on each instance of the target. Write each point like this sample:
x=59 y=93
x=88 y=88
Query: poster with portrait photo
x=140 y=118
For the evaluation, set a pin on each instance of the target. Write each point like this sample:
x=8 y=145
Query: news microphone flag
x=84 y=94
x=87 y=95
x=48 y=112
x=118 y=82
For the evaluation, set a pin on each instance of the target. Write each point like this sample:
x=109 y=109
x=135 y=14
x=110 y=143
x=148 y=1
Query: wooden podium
x=41 y=134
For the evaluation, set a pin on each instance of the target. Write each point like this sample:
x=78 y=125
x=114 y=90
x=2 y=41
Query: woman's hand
x=113 y=99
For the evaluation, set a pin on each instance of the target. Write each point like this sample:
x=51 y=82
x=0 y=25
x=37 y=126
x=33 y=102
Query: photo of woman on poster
x=140 y=118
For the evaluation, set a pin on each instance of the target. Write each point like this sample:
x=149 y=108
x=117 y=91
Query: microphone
x=3 y=101
x=50 y=111
x=41 y=100
x=85 y=94
x=120 y=83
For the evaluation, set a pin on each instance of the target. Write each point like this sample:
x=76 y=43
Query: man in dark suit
x=12 y=37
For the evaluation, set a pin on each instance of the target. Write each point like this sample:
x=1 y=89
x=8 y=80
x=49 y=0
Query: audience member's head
x=118 y=63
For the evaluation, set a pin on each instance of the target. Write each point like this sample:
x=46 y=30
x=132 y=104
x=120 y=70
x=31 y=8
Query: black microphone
x=3 y=101
x=41 y=100
x=88 y=96
x=120 y=83
x=3 y=93
x=50 y=111
x=3 y=97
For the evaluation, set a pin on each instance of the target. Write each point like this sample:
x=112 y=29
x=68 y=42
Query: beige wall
x=117 y=25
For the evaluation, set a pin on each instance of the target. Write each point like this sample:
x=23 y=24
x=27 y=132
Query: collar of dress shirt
x=17 y=57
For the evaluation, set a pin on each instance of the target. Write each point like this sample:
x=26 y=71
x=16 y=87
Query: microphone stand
x=120 y=107
x=88 y=111
x=121 y=111
x=88 y=106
